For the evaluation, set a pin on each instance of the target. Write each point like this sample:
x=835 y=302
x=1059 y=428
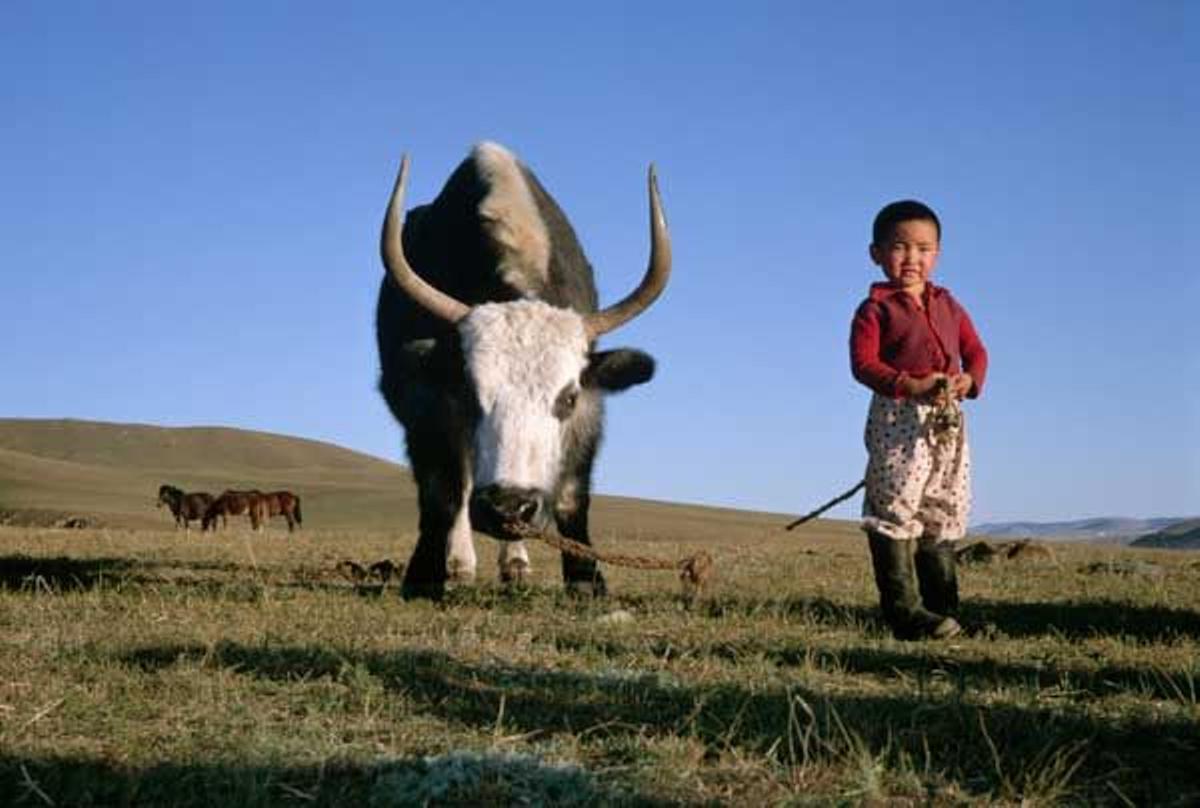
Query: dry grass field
x=141 y=665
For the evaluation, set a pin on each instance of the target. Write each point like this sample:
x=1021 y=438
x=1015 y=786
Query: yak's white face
x=523 y=358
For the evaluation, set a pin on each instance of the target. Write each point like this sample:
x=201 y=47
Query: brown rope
x=585 y=551
x=946 y=417
x=694 y=570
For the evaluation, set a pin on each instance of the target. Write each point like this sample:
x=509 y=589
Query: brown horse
x=281 y=503
x=184 y=507
x=233 y=503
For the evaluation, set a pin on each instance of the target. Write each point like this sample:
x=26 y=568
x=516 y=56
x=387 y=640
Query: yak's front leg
x=430 y=565
x=444 y=538
x=460 y=555
x=580 y=575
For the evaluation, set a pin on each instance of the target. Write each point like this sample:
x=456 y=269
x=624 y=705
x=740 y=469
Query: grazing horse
x=184 y=507
x=233 y=503
x=280 y=503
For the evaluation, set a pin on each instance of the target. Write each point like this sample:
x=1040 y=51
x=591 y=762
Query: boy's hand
x=925 y=389
x=960 y=385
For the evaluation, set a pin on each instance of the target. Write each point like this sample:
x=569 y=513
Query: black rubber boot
x=937 y=576
x=902 y=609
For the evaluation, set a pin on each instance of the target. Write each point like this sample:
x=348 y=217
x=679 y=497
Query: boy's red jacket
x=892 y=335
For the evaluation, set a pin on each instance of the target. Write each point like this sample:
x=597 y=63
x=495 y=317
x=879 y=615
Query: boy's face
x=908 y=256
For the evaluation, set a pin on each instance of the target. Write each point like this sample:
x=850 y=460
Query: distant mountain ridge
x=1183 y=535
x=1104 y=529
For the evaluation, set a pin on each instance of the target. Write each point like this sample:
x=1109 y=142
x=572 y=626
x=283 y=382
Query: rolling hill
x=109 y=473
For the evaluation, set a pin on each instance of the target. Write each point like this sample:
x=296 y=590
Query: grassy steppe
x=155 y=668
x=146 y=666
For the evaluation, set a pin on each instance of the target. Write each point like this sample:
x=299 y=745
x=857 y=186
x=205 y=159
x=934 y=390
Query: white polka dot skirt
x=918 y=480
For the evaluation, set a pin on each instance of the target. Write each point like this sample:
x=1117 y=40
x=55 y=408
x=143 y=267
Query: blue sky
x=192 y=194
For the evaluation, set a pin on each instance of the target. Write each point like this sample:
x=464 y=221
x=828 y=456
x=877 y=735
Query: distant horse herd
x=257 y=505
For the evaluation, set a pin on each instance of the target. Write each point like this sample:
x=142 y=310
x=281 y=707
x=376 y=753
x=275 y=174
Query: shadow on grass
x=922 y=663
x=1068 y=619
x=1082 y=619
x=1149 y=761
x=459 y=779
x=60 y=573
x=1050 y=680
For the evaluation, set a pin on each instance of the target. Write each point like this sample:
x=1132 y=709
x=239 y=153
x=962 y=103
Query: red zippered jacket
x=892 y=335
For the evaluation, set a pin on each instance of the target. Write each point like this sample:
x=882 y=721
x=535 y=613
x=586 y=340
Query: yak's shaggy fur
x=510 y=217
x=521 y=357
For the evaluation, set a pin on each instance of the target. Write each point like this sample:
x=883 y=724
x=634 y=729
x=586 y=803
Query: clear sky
x=191 y=194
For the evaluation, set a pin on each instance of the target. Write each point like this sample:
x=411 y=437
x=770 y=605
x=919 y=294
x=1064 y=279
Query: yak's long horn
x=655 y=279
x=436 y=302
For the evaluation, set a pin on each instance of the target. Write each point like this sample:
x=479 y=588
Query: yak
x=487 y=323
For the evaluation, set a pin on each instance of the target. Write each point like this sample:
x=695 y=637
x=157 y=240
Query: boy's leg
x=892 y=560
x=937 y=575
x=898 y=468
x=897 y=476
x=944 y=512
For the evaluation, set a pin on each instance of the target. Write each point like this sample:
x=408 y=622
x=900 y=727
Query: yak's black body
x=452 y=246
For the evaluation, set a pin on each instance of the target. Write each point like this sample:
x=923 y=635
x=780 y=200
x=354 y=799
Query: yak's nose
x=506 y=512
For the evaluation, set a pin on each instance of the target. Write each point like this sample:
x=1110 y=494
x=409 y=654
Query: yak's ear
x=430 y=357
x=618 y=369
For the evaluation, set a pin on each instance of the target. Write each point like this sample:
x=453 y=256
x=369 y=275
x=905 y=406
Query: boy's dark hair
x=905 y=210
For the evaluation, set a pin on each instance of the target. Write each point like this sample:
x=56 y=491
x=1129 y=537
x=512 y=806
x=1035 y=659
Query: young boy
x=915 y=347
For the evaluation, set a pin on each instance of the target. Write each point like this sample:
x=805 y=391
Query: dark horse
x=233 y=503
x=280 y=503
x=185 y=507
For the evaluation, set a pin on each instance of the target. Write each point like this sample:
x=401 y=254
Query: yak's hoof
x=589 y=588
x=459 y=574
x=514 y=572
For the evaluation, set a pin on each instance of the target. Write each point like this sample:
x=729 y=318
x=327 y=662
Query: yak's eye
x=564 y=405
